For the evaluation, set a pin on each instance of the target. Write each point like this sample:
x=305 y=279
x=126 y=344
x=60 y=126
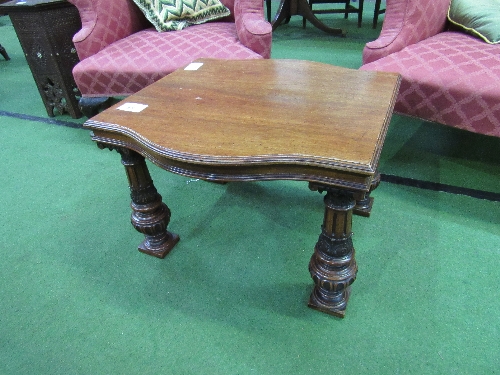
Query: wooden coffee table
x=258 y=120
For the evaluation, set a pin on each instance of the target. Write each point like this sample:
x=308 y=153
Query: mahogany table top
x=258 y=119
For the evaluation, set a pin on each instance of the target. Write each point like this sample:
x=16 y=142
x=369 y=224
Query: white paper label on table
x=193 y=66
x=132 y=107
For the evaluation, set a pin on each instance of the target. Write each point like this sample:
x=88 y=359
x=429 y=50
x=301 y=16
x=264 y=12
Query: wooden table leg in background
x=333 y=267
x=288 y=8
x=364 y=205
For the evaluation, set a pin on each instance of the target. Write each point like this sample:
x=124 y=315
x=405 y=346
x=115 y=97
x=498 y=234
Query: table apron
x=254 y=171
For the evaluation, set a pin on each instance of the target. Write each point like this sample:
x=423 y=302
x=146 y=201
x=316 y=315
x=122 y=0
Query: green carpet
x=76 y=297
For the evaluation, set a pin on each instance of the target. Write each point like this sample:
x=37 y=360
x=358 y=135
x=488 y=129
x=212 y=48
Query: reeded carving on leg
x=150 y=216
x=333 y=266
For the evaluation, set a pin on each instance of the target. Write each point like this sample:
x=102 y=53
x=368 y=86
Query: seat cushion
x=138 y=60
x=451 y=78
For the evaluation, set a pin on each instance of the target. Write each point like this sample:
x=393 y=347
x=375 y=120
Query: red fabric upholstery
x=105 y=22
x=448 y=76
x=251 y=33
x=121 y=52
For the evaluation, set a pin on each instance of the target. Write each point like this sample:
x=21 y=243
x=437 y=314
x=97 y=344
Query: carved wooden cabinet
x=45 y=29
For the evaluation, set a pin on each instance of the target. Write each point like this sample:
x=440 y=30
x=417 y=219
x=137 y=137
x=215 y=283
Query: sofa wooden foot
x=92 y=106
x=3 y=52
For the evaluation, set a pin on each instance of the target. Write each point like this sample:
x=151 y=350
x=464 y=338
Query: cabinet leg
x=333 y=266
x=150 y=216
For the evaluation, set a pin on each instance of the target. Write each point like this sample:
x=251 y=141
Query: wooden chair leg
x=360 y=12
x=377 y=12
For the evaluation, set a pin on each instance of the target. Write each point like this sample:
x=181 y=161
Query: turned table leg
x=150 y=216
x=332 y=266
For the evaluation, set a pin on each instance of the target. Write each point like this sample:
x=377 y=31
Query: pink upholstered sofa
x=121 y=52
x=449 y=76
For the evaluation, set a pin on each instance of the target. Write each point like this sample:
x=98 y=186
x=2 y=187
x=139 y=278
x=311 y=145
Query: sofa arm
x=253 y=30
x=104 y=22
x=407 y=22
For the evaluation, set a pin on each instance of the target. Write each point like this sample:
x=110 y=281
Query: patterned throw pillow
x=479 y=17
x=168 y=15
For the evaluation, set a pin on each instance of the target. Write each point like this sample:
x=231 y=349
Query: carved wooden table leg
x=332 y=266
x=150 y=215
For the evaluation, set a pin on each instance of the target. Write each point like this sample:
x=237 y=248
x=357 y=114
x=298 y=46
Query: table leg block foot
x=364 y=207
x=159 y=250
x=336 y=307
